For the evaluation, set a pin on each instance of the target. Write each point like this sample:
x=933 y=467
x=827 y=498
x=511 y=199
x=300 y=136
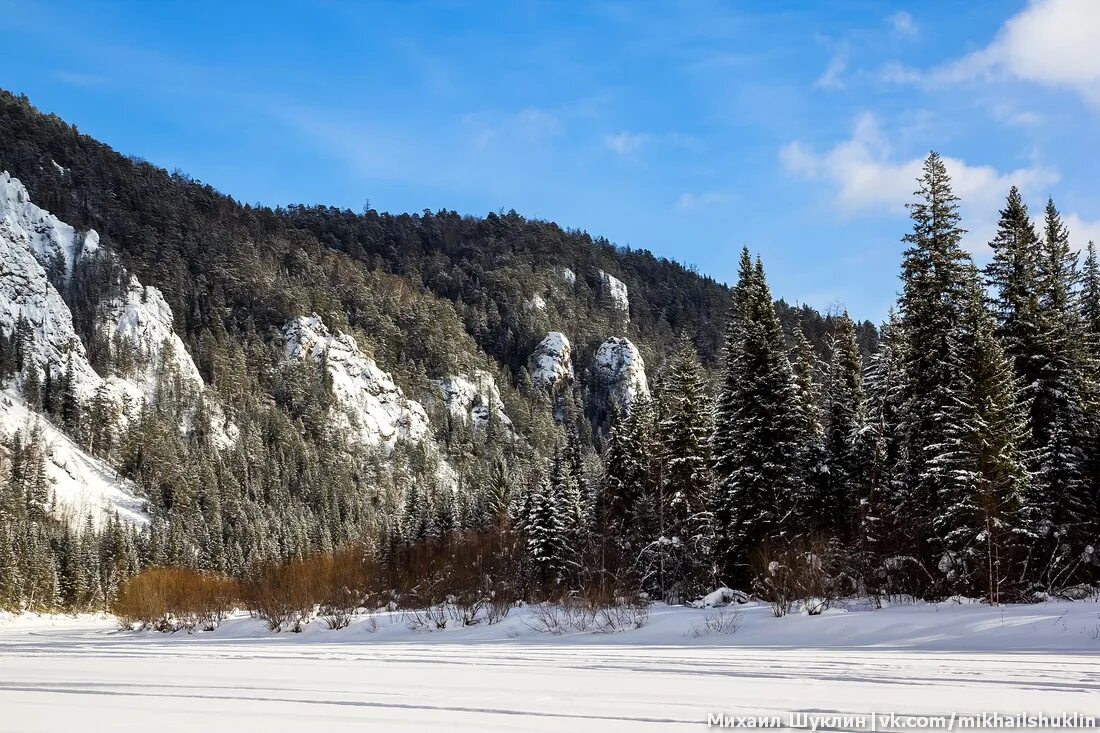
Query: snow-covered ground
x=60 y=673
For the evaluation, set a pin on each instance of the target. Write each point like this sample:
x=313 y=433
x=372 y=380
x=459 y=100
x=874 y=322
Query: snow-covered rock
x=30 y=240
x=81 y=484
x=536 y=302
x=373 y=405
x=141 y=320
x=615 y=289
x=722 y=596
x=472 y=399
x=551 y=362
x=620 y=370
x=32 y=243
x=50 y=240
x=569 y=276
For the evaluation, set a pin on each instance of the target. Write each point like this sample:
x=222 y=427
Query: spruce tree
x=1061 y=432
x=935 y=272
x=979 y=521
x=881 y=515
x=685 y=428
x=845 y=419
x=544 y=533
x=1090 y=298
x=757 y=443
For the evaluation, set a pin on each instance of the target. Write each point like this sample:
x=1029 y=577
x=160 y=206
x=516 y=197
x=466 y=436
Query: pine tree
x=32 y=387
x=1013 y=277
x=69 y=401
x=11 y=583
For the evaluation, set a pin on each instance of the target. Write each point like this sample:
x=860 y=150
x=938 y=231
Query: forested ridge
x=773 y=449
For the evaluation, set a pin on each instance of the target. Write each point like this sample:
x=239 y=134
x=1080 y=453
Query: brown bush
x=333 y=586
x=173 y=598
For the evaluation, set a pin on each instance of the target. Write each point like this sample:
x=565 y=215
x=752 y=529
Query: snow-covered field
x=61 y=673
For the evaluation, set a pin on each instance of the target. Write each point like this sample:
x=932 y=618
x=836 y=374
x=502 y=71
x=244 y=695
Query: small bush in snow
x=809 y=572
x=548 y=618
x=723 y=621
x=622 y=617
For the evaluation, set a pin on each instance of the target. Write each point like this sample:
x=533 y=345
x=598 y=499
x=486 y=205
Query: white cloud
x=1050 y=42
x=903 y=24
x=868 y=178
x=832 y=77
x=625 y=142
x=1082 y=231
x=689 y=201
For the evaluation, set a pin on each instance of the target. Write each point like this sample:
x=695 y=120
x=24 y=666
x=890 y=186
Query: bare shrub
x=427 y=618
x=806 y=571
x=580 y=611
x=345 y=581
x=548 y=618
x=724 y=621
x=174 y=598
x=498 y=606
x=622 y=616
x=284 y=596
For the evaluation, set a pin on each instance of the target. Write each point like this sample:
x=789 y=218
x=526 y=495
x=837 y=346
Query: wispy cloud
x=706 y=199
x=833 y=76
x=529 y=125
x=626 y=142
x=902 y=24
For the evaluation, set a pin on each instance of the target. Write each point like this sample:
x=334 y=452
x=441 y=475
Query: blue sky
x=689 y=129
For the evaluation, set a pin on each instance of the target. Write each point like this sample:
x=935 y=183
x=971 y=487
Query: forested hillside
x=499 y=406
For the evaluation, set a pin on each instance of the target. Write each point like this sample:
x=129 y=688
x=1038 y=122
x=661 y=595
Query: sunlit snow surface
x=59 y=674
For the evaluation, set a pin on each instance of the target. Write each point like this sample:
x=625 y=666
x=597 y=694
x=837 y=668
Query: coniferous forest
x=794 y=455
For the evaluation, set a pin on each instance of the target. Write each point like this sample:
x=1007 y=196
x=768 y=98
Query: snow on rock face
x=30 y=237
x=471 y=399
x=143 y=319
x=82 y=484
x=537 y=302
x=620 y=369
x=50 y=240
x=372 y=403
x=551 y=362
x=569 y=276
x=615 y=289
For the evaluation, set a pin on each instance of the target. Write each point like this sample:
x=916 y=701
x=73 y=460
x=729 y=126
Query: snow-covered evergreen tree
x=757 y=442
x=845 y=420
x=979 y=520
x=935 y=295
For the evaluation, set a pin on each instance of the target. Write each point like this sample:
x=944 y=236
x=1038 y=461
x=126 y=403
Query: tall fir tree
x=1061 y=430
x=757 y=442
x=980 y=523
x=845 y=420
x=935 y=272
